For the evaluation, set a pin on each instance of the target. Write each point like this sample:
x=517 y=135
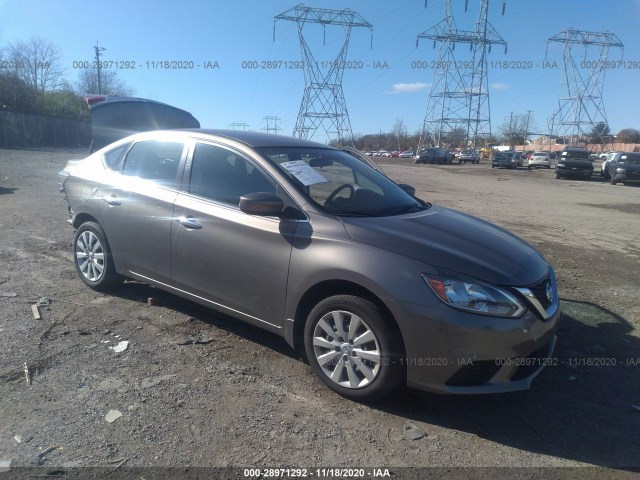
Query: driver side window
x=224 y=176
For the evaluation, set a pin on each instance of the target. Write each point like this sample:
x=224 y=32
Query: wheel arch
x=81 y=218
x=326 y=289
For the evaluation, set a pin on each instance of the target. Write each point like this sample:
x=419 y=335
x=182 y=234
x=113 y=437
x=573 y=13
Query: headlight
x=620 y=170
x=474 y=296
x=561 y=165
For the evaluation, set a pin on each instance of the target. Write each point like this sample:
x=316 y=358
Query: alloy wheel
x=346 y=349
x=89 y=255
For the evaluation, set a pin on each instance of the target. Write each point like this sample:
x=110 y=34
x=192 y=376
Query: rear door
x=139 y=207
x=221 y=254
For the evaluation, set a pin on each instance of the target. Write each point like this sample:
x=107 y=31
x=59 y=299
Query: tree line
x=32 y=81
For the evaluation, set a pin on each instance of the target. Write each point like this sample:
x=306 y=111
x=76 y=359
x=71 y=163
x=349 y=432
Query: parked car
x=433 y=155
x=395 y=154
x=604 y=167
x=468 y=156
x=528 y=154
x=539 y=159
x=310 y=243
x=506 y=160
x=380 y=153
x=625 y=168
x=407 y=154
x=574 y=162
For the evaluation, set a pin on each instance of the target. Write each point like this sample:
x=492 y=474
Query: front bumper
x=578 y=172
x=451 y=351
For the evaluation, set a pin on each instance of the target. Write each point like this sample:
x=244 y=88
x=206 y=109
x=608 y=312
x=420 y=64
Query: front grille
x=479 y=373
x=539 y=291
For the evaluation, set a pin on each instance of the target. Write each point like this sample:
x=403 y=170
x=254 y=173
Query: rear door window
x=154 y=160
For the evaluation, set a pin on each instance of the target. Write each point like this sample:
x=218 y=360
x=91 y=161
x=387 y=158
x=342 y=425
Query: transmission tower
x=458 y=103
x=323 y=103
x=581 y=111
x=239 y=125
x=271 y=127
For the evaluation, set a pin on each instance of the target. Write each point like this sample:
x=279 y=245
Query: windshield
x=339 y=184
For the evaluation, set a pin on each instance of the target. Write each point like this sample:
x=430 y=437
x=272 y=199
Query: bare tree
x=110 y=83
x=37 y=63
x=399 y=131
x=517 y=128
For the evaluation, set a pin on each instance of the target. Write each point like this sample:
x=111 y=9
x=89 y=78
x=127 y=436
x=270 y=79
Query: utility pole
x=526 y=130
x=511 y=130
x=98 y=50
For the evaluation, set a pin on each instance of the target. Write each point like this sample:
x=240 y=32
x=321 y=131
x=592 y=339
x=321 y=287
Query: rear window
x=630 y=159
x=578 y=154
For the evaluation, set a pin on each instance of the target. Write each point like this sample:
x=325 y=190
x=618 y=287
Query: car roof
x=251 y=139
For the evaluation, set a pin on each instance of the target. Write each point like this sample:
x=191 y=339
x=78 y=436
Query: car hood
x=454 y=241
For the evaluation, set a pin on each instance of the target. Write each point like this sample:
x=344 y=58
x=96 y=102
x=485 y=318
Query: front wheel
x=353 y=348
x=613 y=180
x=92 y=257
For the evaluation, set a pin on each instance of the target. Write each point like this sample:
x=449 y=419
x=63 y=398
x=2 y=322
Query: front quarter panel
x=322 y=254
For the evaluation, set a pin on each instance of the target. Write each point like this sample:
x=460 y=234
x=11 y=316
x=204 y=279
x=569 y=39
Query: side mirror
x=410 y=189
x=261 y=203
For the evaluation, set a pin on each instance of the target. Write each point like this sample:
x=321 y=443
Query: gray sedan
x=378 y=287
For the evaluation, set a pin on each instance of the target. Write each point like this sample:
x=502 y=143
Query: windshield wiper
x=354 y=213
x=408 y=209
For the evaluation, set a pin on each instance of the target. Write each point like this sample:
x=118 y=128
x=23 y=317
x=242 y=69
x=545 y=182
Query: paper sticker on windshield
x=303 y=172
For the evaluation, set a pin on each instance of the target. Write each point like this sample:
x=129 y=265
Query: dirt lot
x=198 y=389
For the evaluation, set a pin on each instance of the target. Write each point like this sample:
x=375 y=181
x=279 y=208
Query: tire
x=529 y=167
x=613 y=180
x=556 y=174
x=371 y=375
x=460 y=162
x=92 y=258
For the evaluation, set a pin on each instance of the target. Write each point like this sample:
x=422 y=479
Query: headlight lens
x=474 y=296
x=561 y=164
x=620 y=170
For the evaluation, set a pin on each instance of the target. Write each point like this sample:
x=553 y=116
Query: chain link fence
x=20 y=130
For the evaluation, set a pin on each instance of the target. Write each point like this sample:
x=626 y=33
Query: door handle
x=189 y=222
x=111 y=200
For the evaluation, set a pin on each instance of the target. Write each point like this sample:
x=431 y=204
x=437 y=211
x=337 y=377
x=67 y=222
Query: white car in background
x=539 y=159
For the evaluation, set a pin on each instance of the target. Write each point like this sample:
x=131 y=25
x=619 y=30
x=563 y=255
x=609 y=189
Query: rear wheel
x=353 y=348
x=92 y=257
x=613 y=180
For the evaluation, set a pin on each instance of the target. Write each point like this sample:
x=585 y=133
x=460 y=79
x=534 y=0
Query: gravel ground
x=198 y=389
